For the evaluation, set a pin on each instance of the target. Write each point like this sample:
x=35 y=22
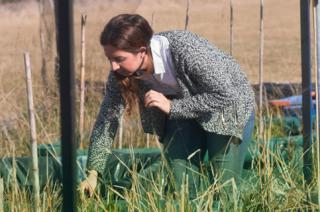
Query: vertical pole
x=43 y=47
x=317 y=67
x=231 y=26
x=261 y=73
x=261 y=70
x=82 y=74
x=306 y=88
x=56 y=62
x=187 y=16
x=32 y=122
x=67 y=102
x=263 y=146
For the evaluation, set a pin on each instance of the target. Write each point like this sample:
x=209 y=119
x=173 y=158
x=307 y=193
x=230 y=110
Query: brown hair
x=127 y=32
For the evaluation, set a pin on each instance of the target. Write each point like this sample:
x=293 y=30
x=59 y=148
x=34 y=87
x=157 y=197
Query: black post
x=306 y=88
x=67 y=102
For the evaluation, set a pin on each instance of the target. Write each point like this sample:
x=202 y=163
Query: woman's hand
x=88 y=185
x=156 y=99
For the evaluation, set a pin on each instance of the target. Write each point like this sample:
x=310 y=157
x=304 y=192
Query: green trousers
x=186 y=143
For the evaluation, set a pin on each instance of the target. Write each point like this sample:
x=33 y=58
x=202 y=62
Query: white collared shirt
x=164 y=76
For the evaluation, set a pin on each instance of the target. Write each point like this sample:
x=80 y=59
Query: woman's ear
x=143 y=51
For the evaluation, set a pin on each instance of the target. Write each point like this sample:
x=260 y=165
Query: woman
x=192 y=95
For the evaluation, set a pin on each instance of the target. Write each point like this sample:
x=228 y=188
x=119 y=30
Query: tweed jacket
x=213 y=89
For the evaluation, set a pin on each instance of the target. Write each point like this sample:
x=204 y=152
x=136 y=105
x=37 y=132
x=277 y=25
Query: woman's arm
x=105 y=127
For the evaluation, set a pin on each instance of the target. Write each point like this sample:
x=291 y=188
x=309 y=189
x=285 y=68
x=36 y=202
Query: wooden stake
x=261 y=69
x=231 y=26
x=82 y=74
x=32 y=122
x=187 y=16
x=262 y=146
x=44 y=75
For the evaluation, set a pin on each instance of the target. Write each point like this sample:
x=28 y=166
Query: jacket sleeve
x=105 y=127
x=210 y=72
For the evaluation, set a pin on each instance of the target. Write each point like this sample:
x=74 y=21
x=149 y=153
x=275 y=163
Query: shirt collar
x=159 y=45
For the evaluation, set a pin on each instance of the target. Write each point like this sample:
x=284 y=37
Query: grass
x=278 y=185
x=275 y=180
x=275 y=183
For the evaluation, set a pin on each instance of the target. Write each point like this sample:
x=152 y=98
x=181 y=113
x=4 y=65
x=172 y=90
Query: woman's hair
x=127 y=32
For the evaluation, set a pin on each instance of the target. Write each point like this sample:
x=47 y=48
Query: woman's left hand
x=156 y=99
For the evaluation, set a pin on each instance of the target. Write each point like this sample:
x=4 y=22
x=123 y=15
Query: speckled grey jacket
x=213 y=90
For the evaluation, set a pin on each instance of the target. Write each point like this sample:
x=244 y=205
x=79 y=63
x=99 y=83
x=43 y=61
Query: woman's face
x=123 y=62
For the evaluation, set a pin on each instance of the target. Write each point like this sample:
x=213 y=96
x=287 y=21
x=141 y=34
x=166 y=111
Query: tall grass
x=279 y=187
